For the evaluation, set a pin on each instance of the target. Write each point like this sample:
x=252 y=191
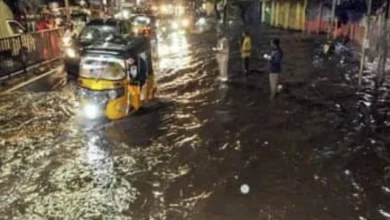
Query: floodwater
x=209 y=150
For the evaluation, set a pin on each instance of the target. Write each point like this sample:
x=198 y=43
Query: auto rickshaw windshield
x=141 y=20
x=103 y=67
x=97 y=32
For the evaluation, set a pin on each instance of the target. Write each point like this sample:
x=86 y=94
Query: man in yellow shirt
x=246 y=48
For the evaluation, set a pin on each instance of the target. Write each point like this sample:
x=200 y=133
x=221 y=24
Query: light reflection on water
x=99 y=160
x=174 y=52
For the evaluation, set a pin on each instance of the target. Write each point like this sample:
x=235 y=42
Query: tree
x=23 y=6
x=28 y=6
x=220 y=8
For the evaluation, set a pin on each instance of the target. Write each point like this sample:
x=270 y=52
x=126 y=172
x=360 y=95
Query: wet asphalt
x=220 y=151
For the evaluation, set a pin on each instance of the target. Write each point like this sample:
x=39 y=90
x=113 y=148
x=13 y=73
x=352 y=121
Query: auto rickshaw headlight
x=91 y=111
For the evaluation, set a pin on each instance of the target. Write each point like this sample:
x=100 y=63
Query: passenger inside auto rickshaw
x=145 y=76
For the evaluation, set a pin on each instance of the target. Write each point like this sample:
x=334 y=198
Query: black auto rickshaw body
x=94 y=31
x=113 y=76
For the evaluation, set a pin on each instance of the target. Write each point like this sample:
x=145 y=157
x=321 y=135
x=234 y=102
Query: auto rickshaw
x=116 y=78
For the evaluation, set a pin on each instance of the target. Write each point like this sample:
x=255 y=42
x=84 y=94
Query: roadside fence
x=20 y=53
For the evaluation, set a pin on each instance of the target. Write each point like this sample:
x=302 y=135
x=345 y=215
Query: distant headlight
x=185 y=22
x=164 y=9
x=126 y=14
x=67 y=41
x=175 y=25
x=201 y=21
x=71 y=53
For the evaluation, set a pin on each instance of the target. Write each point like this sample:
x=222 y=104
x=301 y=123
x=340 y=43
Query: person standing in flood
x=275 y=66
x=246 y=49
x=222 y=55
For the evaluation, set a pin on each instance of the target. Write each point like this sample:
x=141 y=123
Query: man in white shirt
x=222 y=55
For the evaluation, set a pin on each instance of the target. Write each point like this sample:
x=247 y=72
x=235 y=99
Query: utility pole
x=331 y=25
x=67 y=10
x=365 y=41
x=383 y=54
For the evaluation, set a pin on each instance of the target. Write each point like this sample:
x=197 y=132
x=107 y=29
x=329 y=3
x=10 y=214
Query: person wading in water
x=222 y=55
x=275 y=66
x=246 y=49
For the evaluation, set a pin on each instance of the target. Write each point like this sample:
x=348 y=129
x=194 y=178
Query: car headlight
x=70 y=52
x=91 y=111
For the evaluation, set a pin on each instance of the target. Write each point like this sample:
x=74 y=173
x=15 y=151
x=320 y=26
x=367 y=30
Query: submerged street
x=206 y=149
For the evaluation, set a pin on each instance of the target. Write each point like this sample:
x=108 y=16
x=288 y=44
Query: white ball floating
x=244 y=189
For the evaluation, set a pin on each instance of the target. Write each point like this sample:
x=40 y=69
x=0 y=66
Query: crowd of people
x=274 y=59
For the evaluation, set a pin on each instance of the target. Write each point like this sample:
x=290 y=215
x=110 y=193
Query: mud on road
x=318 y=152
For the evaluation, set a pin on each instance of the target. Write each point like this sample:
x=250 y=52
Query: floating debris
x=384 y=213
x=244 y=189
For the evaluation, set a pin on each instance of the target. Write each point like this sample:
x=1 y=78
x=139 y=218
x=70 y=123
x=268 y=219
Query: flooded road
x=206 y=150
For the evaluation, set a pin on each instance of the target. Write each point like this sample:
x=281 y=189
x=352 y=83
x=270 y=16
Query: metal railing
x=20 y=53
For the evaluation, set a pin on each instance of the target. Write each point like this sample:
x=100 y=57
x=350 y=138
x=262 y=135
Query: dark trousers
x=245 y=65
